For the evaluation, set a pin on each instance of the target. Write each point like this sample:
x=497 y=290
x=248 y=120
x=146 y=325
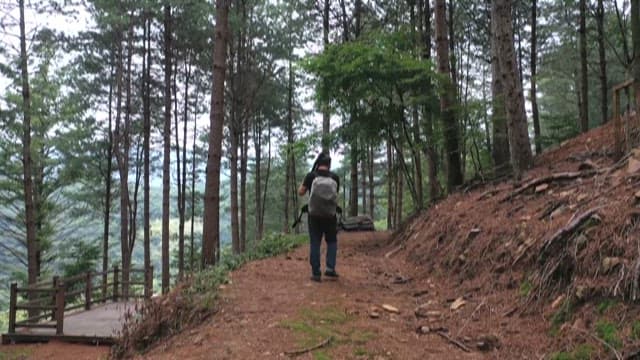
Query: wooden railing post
x=87 y=291
x=13 y=299
x=60 y=309
x=115 y=283
x=54 y=283
x=148 y=282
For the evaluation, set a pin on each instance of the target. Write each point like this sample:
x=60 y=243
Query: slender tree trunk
x=181 y=161
x=233 y=151
x=147 y=147
x=447 y=102
x=371 y=165
x=353 y=193
x=519 y=145
x=257 y=145
x=326 y=115
x=166 y=168
x=390 y=187
x=534 y=76
x=363 y=183
x=30 y=214
x=635 y=34
x=424 y=9
x=289 y=176
x=399 y=193
x=107 y=194
x=211 y=226
x=604 y=97
x=243 y=185
x=192 y=249
x=584 y=80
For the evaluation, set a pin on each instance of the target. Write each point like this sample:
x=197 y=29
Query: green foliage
x=635 y=330
x=608 y=332
x=605 y=304
x=581 y=352
x=15 y=354
x=525 y=287
x=314 y=325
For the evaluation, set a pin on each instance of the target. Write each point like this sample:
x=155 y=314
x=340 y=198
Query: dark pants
x=317 y=228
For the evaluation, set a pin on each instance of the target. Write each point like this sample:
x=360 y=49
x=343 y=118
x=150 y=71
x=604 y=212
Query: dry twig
x=453 y=341
x=326 y=342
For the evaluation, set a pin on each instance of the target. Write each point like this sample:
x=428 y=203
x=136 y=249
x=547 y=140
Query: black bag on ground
x=358 y=223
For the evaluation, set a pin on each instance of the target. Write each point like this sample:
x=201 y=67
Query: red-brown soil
x=53 y=350
x=482 y=268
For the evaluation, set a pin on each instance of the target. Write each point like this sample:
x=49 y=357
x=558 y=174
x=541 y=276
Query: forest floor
x=271 y=309
x=546 y=267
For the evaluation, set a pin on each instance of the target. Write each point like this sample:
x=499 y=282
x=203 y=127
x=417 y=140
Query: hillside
x=543 y=268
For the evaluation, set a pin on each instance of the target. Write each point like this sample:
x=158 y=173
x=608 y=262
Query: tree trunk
x=326 y=115
x=390 y=187
x=519 y=145
x=233 y=151
x=500 y=151
x=289 y=153
x=604 y=97
x=257 y=145
x=244 y=160
x=30 y=215
x=353 y=193
x=146 y=100
x=424 y=9
x=181 y=161
x=192 y=249
x=211 y=224
x=584 y=80
x=363 y=182
x=447 y=102
x=534 y=77
x=107 y=193
x=371 y=165
x=166 y=167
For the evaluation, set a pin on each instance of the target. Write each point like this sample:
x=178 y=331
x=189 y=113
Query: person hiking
x=322 y=186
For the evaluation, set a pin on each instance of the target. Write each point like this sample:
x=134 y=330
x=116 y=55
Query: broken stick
x=455 y=342
x=309 y=349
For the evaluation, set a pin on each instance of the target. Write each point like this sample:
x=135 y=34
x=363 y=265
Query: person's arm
x=306 y=184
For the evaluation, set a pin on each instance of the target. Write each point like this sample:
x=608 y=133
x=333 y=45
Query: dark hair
x=322 y=159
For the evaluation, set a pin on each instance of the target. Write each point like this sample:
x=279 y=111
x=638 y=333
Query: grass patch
x=313 y=326
x=635 y=330
x=582 y=352
x=525 y=288
x=604 y=305
x=194 y=300
x=561 y=316
x=608 y=332
x=18 y=354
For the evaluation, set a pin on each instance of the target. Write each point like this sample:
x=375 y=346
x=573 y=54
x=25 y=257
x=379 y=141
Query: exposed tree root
x=547 y=179
x=564 y=232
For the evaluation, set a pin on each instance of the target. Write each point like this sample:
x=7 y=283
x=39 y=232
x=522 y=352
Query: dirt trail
x=271 y=308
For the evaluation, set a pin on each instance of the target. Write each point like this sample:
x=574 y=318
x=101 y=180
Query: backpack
x=323 y=197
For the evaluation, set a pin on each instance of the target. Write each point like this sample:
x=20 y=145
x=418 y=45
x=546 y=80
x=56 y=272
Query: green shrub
x=608 y=332
x=604 y=305
x=582 y=352
x=635 y=330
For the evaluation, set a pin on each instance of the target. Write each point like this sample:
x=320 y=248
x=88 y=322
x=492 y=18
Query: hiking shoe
x=331 y=274
x=316 y=278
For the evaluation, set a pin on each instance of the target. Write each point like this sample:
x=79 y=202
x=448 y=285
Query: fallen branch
x=547 y=179
x=606 y=344
x=453 y=341
x=394 y=251
x=573 y=224
x=326 y=342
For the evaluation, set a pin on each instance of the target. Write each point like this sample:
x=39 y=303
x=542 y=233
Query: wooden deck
x=99 y=325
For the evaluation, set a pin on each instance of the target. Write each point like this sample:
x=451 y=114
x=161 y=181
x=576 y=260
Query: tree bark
x=353 y=193
x=500 y=153
x=211 y=224
x=584 y=80
x=30 y=214
x=604 y=97
x=257 y=145
x=166 y=167
x=371 y=165
x=534 y=76
x=326 y=115
x=519 y=145
x=107 y=193
x=390 y=187
x=635 y=34
x=233 y=141
x=146 y=99
x=447 y=102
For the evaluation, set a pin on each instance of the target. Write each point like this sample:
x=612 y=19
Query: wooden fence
x=47 y=301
